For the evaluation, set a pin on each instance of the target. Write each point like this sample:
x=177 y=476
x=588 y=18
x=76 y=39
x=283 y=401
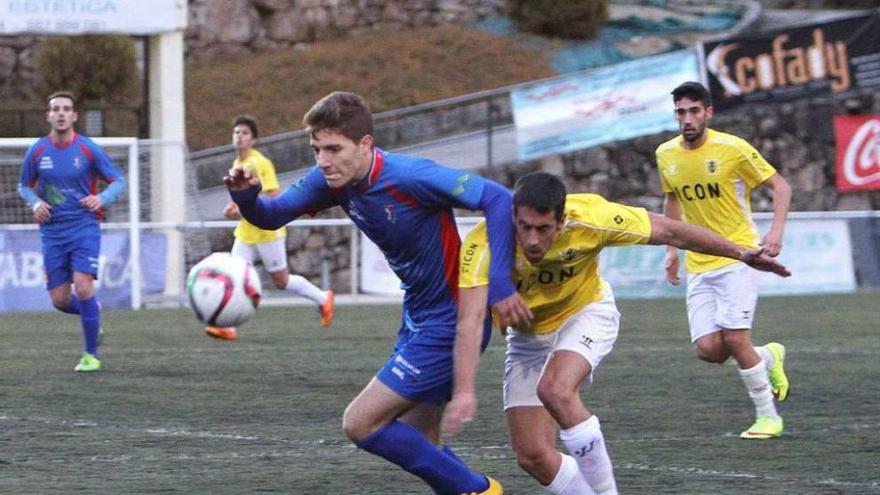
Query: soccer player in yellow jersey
x=574 y=326
x=269 y=245
x=707 y=177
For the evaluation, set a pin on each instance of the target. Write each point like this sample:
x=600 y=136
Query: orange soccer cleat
x=224 y=333
x=327 y=309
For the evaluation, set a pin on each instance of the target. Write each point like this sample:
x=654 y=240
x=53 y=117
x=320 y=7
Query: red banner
x=858 y=152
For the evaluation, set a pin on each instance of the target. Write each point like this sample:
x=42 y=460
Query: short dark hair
x=693 y=91
x=342 y=112
x=541 y=192
x=248 y=121
x=62 y=94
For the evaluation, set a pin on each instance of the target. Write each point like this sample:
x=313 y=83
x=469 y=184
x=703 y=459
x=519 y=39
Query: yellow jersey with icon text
x=713 y=184
x=265 y=171
x=567 y=278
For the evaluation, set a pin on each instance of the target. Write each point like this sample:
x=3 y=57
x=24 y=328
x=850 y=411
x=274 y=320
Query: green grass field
x=177 y=412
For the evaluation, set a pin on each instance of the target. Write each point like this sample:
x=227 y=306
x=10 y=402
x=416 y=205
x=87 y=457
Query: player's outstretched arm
x=472 y=303
x=664 y=230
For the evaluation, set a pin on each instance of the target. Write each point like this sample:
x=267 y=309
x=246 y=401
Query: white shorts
x=591 y=333
x=722 y=298
x=272 y=253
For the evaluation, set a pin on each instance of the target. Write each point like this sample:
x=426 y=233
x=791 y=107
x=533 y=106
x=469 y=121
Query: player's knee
x=280 y=279
x=714 y=355
x=354 y=426
x=554 y=395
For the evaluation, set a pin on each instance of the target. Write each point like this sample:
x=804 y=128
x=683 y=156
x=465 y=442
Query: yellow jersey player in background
x=575 y=323
x=268 y=245
x=708 y=177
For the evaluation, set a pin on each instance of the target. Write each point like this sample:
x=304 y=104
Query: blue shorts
x=75 y=252
x=421 y=366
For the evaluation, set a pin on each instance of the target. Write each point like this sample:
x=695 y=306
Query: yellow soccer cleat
x=765 y=427
x=88 y=363
x=495 y=488
x=778 y=380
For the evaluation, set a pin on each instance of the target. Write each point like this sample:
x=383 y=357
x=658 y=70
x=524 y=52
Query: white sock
x=587 y=446
x=767 y=357
x=569 y=480
x=758 y=386
x=302 y=287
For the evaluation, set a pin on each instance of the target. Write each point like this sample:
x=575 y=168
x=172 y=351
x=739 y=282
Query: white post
x=167 y=124
x=134 y=219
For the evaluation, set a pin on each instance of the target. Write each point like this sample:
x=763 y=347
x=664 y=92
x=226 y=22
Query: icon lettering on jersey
x=354 y=213
x=398 y=372
x=462 y=184
x=390 y=214
x=46 y=163
x=469 y=253
x=712 y=166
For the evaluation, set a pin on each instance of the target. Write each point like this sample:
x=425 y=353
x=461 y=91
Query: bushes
x=94 y=68
x=577 y=19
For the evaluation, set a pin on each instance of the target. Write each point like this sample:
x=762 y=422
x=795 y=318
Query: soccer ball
x=224 y=290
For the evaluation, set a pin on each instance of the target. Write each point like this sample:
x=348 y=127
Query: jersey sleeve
x=434 y=184
x=29 y=176
x=618 y=224
x=473 y=263
x=266 y=173
x=752 y=168
x=306 y=196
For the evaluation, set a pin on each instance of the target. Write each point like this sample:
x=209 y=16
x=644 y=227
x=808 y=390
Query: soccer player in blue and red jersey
x=403 y=204
x=59 y=177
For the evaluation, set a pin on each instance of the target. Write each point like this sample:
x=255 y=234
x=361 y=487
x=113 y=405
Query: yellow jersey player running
x=575 y=323
x=707 y=177
x=252 y=242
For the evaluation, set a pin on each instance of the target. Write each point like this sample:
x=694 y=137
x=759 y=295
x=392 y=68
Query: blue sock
x=448 y=451
x=405 y=446
x=90 y=316
x=73 y=308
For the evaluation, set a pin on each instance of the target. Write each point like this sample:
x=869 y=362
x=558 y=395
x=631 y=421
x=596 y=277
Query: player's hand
x=91 y=202
x=772 y=243
x=42 y=212
x=460 y=410
x=759 y=260
x=513 y=311
x=671 y=266
x=239 y=179
x=231 y=211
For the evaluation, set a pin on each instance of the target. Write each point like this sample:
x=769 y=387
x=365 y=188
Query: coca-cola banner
x=858 y=152
x=786 y=64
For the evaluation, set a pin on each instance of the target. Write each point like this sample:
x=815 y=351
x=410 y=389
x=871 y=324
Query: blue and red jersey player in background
x=404 y=205
x=59 y=179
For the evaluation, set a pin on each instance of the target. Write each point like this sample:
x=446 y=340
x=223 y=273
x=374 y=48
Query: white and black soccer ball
x=224 y=290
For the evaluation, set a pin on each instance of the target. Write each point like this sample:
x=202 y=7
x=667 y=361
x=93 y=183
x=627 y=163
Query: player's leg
x=59 y=276
x=274 y=256
x=84 y=262
x=582 y=342
x=701 y=310
x=418 y=372
x=371 y=422
x=737 y=290
x=533 y=439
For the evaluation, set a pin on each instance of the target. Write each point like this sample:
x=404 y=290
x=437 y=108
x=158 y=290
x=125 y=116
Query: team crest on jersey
x=46 y=163
x=390 y=214
x=77 y=162
x=569 y=254
x=712 y=166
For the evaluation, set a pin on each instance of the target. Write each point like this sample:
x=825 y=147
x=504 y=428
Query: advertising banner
x=62 y=17
x=858 y=152
x=586 y=109
x=818 y=253
x=796 y=62
x=23 y=279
